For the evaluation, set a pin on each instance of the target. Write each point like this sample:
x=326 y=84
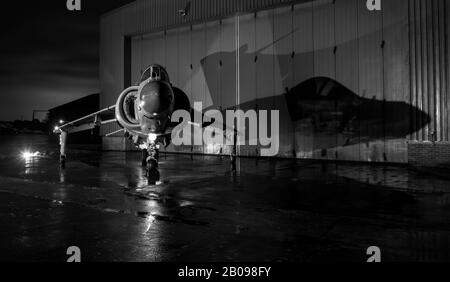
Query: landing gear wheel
x=152 y=164
x=152 y=171
x=144 y=158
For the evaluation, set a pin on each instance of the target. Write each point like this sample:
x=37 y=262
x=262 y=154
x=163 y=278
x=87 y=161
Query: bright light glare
x=143 y=146
x=61 y=121
x=28 y=155
x=152 y=137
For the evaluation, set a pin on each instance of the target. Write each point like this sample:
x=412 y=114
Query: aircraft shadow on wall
x=322 y=106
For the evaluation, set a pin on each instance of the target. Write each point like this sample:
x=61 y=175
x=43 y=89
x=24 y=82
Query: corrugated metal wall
x=394 y=63
x=147 y=16
x=152 y=15
x=429 y=67
x=157 y=14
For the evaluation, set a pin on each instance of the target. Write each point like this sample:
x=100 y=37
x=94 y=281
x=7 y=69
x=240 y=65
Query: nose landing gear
x=151 y=161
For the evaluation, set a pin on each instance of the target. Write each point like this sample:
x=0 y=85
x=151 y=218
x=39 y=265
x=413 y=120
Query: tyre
x=144 y=158
x=152 y=171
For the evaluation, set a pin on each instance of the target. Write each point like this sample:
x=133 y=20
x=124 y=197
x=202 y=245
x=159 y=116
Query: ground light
x=28 y=155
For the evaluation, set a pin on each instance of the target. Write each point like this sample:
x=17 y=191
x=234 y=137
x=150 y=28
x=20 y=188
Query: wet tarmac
x=271 y=211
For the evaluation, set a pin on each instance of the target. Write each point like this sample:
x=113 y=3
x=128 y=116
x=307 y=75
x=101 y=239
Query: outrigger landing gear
x=62 y=150
x=152 y=163
x=62 y=161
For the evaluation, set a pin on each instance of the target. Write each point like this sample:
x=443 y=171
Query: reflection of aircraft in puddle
x=143 y=112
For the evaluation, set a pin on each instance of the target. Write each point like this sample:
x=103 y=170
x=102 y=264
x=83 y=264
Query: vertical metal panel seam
x=423 y=67
x=335 y=71
x=238 y=90
x=446 y=69
x=437 y=55
x=431 y=71
x=446 y=79
x=411 y=65
x=414 y=52
x=419 y=68
x=383 y=81
x=358 y=44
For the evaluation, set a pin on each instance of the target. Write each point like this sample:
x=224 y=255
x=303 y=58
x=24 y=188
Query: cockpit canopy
x=155 y=73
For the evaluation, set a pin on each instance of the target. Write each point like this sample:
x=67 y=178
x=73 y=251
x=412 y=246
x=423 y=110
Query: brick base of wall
x=420 y=154
x=429 y=154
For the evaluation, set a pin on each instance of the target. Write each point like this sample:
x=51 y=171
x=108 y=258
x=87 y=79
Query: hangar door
x=322 y=65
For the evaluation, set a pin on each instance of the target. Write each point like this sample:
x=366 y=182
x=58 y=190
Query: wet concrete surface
x=271 y=211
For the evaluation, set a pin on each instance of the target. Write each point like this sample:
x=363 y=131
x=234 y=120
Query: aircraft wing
x=89 y=122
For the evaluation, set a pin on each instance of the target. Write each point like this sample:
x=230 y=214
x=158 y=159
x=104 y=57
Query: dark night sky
x=49 y=55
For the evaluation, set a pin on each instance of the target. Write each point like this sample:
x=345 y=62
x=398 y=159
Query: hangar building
x=350 y=83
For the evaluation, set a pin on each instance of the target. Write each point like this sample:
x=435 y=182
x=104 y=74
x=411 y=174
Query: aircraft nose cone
x=155 y=98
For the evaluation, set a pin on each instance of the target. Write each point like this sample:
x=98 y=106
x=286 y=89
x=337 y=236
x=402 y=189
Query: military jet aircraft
x=143 y=112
